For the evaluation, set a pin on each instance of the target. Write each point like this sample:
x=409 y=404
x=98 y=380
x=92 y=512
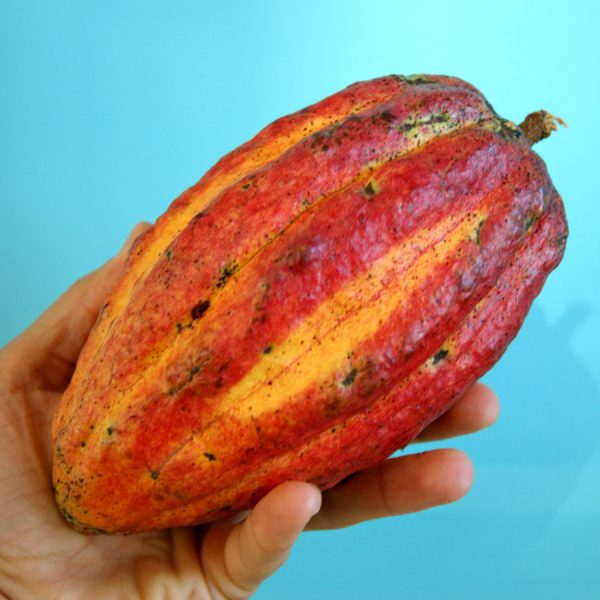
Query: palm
x=30 y=519
x=30 y=390
x=40 y=554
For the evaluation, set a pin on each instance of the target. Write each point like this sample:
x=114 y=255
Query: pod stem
x=540 y=125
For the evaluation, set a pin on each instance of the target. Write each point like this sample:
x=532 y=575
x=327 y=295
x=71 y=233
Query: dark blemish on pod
x=349 y=379
x=387 y=116
x=83 y=444
x=440 y=355
x=509 y=131
x=226 y=272
x=154 y=474
x=219 y=383
x=561 y=241
x=200 y=309
x=268 y=349
x=433 y=120
x=210 y=456
x=371 y=188
x=416 y=80
x=193 y=372
x=529 y=221
x=196 y=217
x=104 y=307
x=181 y=327
x=168 y=254
x=478 y=232
x=67 y=515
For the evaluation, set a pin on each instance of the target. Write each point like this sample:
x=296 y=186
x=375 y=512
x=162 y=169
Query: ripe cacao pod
x=323 y=293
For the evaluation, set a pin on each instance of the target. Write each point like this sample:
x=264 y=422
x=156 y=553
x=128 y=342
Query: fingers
x=414 y=482
x=258 y=546
x=395 y=487
x=49 y=348
x=477 y=409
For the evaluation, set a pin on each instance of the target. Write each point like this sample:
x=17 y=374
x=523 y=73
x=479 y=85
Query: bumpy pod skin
x=323 y=293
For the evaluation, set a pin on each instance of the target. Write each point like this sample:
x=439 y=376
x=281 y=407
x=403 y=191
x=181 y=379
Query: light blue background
x=108 y=110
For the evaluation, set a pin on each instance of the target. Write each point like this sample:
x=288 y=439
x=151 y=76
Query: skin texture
x=42 y=557
x=322 y=283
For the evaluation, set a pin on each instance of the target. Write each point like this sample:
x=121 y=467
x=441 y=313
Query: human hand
x=42 y=557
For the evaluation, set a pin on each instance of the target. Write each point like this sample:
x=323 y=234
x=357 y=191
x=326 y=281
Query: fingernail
x=239 y=517
x=314 y=503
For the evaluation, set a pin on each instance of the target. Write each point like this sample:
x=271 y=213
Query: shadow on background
x=550 y=400
x=539 y=482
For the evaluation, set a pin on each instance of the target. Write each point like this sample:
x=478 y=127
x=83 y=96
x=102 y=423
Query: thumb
x=258 y=546
x=58 y=334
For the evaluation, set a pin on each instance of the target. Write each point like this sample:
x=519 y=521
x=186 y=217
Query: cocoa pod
x=322 y=294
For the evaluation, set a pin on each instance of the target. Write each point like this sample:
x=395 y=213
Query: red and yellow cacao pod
x=323 y=293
